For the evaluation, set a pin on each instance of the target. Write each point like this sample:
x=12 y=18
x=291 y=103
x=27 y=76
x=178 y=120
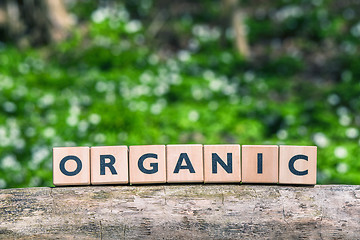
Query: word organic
x=184 y=163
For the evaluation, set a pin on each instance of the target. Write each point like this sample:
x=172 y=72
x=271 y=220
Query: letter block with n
x=297 y=165
x=222 y=163
x=147 y=164
x=71 y=166
x=109 y=165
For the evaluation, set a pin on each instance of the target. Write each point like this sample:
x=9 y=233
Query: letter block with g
x=147 y=164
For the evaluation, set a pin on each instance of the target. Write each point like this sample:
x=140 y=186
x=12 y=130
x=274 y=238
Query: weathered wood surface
x=181 y=211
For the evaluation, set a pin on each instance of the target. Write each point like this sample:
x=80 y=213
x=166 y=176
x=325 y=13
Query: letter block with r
x=109 y=165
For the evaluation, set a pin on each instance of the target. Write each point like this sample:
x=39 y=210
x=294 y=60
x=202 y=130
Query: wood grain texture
x=221 y=175
x=269 y=163
x=119 y=174
x=181 y=211
x=288 y=152
x=179 y=153
x=83 y=157
x=155 y=163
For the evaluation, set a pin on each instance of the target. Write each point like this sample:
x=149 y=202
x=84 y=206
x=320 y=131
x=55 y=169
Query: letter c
x=292 y=162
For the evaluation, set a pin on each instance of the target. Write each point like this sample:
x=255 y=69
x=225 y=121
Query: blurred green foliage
x=112 y=84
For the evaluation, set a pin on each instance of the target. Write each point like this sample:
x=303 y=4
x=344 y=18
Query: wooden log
x=181 y=211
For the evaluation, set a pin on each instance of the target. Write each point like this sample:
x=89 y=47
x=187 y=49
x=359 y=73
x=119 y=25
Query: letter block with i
x=297 y=165
x=147 y=164
x=109 y=165
x=71 y=166
x=260 y=163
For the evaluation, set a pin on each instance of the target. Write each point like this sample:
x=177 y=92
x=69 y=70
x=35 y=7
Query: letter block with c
x=297 y=165
x=71 y=166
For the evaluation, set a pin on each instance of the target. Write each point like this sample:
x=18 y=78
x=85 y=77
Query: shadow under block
x=297 y=165
x=109 y=165
x=71 y=166
x=260 y=163
x=222 y=163
x=147 y=164
x=184 y=163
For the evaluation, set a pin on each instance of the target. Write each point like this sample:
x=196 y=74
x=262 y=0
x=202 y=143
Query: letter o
x=66 y=172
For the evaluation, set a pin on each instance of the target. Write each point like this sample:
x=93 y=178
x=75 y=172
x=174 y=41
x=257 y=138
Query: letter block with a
x=147 y=164
x=297 y=165
x=109 y=165
x=260 y=163
x=71 y=166
x=222 y=163
x=184 y=163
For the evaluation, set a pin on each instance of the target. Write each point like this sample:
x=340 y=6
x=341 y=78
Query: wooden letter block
x=184 y=163
x=147 y=164
x=260 y=163
x=109 y=165
x=71 y=166
x=222 y=163
x=297 y=165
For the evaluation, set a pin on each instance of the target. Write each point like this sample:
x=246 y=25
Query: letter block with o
x=297 y=165
x=71 y=166
x=147 y=164
x=109 y=165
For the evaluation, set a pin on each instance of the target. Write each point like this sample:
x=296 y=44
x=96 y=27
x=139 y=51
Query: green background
x=113 y=84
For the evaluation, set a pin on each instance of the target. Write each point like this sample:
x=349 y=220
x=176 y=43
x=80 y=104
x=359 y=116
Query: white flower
x=99 y=15
x=184 y=56
x=133 y=26
x=83 y=126
x=355 y=30
x=2 y=183
x=72 y=120
x=10 y=162
x=46 y=100
x=342 y=167
x=287 y=12
x=94 y=118
x=193 y=116
x=282 y=134
x=321 y=140
x=49 y=132
x=341 y=152
x=333 y=99
x=352 y=133
x=99 y=138
x=9 y=107
x=344 y=120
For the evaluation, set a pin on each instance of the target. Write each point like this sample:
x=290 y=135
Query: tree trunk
x=33 y=22
x=232 y=9
x=181 y=211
